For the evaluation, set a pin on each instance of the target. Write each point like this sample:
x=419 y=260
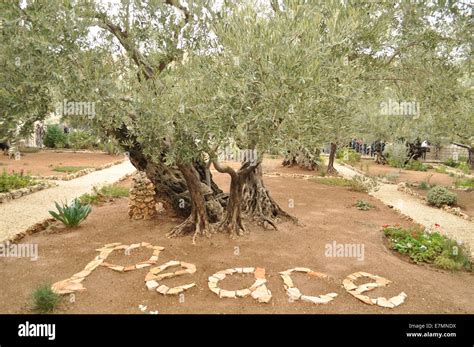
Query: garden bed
x=396 y=175
x=43 y=163
x=328 y=215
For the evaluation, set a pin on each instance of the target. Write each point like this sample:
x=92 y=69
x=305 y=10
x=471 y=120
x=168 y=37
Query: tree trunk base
x=258 y=205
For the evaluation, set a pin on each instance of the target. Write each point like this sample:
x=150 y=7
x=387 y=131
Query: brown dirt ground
x=410 y=176
x=327 y=214
x=43 y=162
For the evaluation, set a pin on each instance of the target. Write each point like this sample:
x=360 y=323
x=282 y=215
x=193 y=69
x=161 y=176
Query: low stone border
x=152 y=278
x=258 y=290
x=18 y=193
x=35 y=228
x=404 y=187
x=74 y=283
x=106 y=251
x=295 y=294
x=356 y=291
x=80 y=172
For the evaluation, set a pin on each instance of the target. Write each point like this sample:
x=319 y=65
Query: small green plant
x=363 y=184
x=70 y=169
x=464 y=167
x=424 y=185
x=81 y=139
x=432 y=248
x=71 y=215
x=103 y=194
x=439 y=196
x=55 y=137
x=397 y=154
x=348 y=155
x=14 y=181
x=392 y=176
x=363 y=205
x=441 y=170
x=44 y=299
x=416 y=165
x=464 y=183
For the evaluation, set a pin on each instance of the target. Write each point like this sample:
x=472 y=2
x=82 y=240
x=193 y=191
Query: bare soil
x=371 y=168
x=42 y=163
x=328 y=215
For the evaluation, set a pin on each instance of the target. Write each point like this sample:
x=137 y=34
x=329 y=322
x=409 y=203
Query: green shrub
x=55 y=137
x=103 y=194
x=450 y=162
x=441 y=169
x=111 y=147
x=464 y=183
x=44 y=299
x=14 y=181
x=392 y=176
x=71 y=215
x=439 y=196
x=80 y=139
x=432 y=248
x=416 y=165
x=464 y=167
x=397 y=154
x=363 y=205
x=348 y=155
x=423 y=185
x=363 y=184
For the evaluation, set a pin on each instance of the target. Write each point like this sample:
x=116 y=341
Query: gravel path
x=451 y=225
x=18 y=215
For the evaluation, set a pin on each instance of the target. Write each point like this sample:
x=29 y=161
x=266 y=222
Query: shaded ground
x=328 y=215
x=42 y=163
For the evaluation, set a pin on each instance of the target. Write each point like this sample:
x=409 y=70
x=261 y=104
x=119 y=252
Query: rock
x=162 y=289
x=227 y=294
x=213 y=279
x=363 y=298
x=259 y=273
x=315 y=299
x=248 y=270
x=258 y=283
x=348 y=284
x=293 y=293
x=243 y=293
x=317 y=274
x=302 y=269
x=175 y=290
x=287 y=281
x=220 y=277
x=382 y=302
x=397 y=300
x=151 y=285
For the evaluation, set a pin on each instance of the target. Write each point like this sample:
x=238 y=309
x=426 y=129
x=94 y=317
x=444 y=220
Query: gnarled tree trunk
x=257 y=202
x=170 y=184
x=303 y=158
x=198 y=221
x=332 y=156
